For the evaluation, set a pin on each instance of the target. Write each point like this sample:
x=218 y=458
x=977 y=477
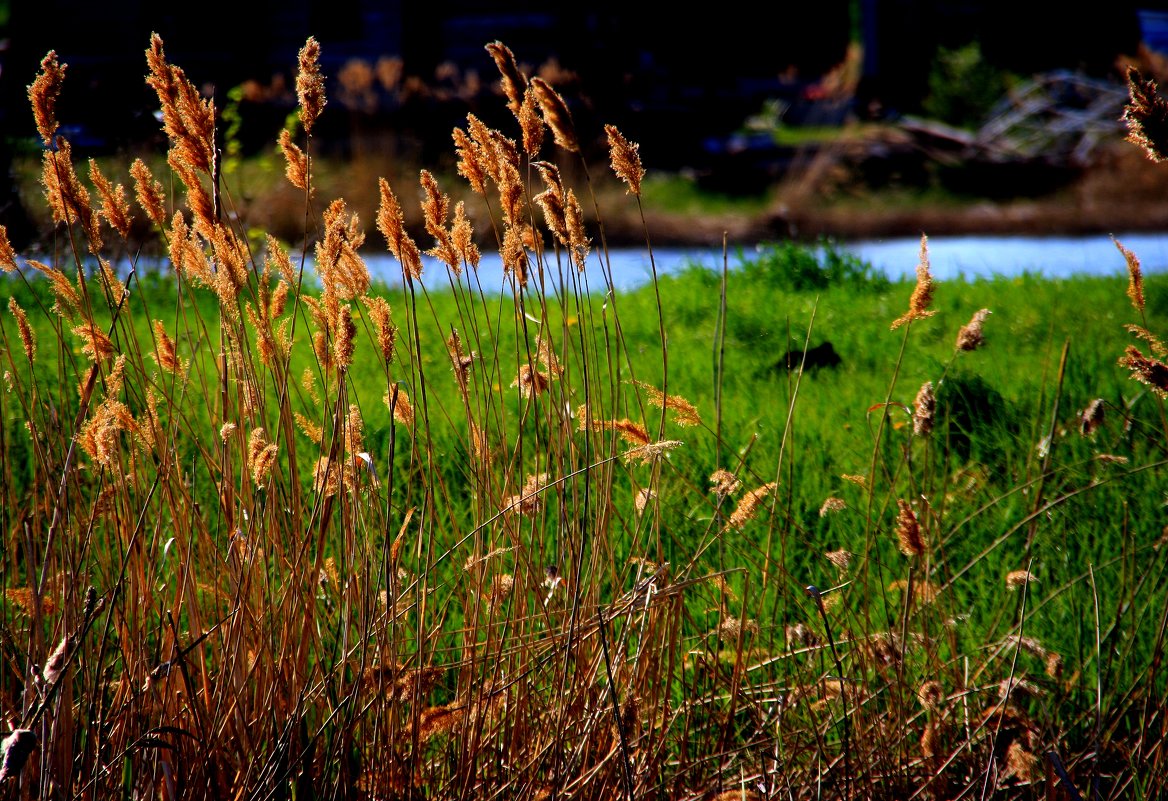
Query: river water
x=949 y=256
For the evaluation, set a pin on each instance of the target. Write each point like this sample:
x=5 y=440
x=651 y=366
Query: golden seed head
x=831 y=505
x=514 y=82
x=922 y=296
x=931 y=695
x=684 y=412
x=188 y=119
x=462 y=236
x=970 y=336
x=403 y=412
x=310 y=84
x=261 y=456
x=391 y=223
x=841 y=559
x=115 y=206
x=98 y=346
x=296 y=162
x=1146 y=115
x=724 y=483
x=924 y=410
x=470 y=161
x=642 y=498
x=626 y=160
x=556 y=115
x=27 y=337
x=1135 y=286
x=749 y=504
x=43 y=93
x=1016 y=579
x=149 y=192
x=531 y=124
x=226 y=430
x=7 y=254
x=435 y=210
x=1147 y=370
x=908 y=530
x=732 y=628
x=66 y=196
x=379 y=313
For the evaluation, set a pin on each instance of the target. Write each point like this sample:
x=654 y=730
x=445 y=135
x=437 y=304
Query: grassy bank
x=264 y=539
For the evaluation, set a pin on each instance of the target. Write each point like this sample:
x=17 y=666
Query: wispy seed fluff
x=149 y=192
x=908 y=530
x=626 y=160
x=1146 y=115
x=43 y=92
x=310 y=84
x=1135 y=285
x=55 y=664
x=27 y=337
x=922 y=296
x=924 y=410
x=261 y=456
x=970 y=336
x=556 y=115
x=748 y=507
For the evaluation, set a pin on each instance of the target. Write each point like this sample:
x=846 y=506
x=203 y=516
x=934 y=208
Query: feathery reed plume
x=343 y=272
x=651 y=452
x=435 y=210
x=1135 y=286
x=731 y=628
x=15 y=750
x=724 y=483
x=574 y=217
x=391 y=223
x=55 y=664
x=460 y=361
x=115 y=207
x=556 y=115
x=513 y=81
x=344 y=342
x=25 y=599
x=970 y=336
x=276 y=257
x=831 y=505
x=471 y=160
x=1016 y=579
x=924 y=591
x=99 y=436
x=858 y=480
x=931 y=695
x=403 y=412
x=43 y=93
x=261 y=456
x=841 y=559
x=630 y=432
x=1053 y=664
x=528 y=502
x=7 y=254
x=65 y=195
x=1147 y=370
x=310 y=84
x=924 y=410
x=1158 y=347
x=685 y=413
x=1092 y=417
x=748 y=506
x=438 y=720
x=189 y=121
x=551 y=201
x=308 y=428
x=626 y=160
x=531 y=124
x=296 y=167
x=531 y=381
x=922 y=295
x=326 y=477
x=186 y=254
x=1146 y=116
x=1022 y=764
x=149 y=192
x=462 y=235
x=642 y=498
x=226 y=430
x=908 y=530
x=98 y=346
x=27 y=337
x=379 y=313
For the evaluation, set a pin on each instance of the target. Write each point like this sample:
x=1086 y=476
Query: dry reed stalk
x=626 y=160
x=922 y=295
x=1146 y=115
x=748 y=507
x=970 y=336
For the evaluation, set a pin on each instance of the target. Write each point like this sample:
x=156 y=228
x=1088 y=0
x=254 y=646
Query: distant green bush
x=963 y=86
x=800 y=268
